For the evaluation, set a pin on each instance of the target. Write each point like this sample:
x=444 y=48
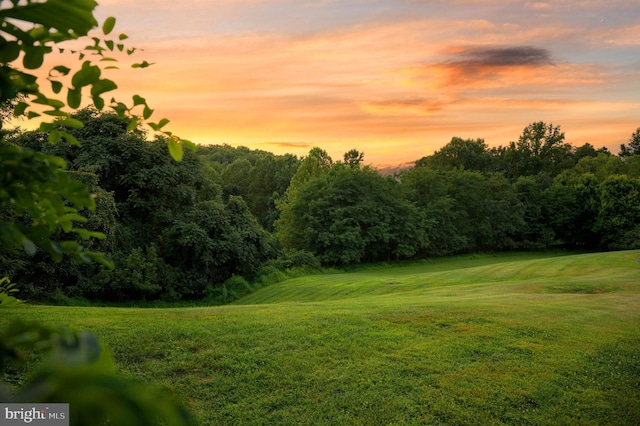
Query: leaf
x=32 y=114
x=139 y=100
x=190 y=145
x=146 y=113
x=123 y=37
x=110 y=44
x=62 y=69
x=98 y=102
x=56 y=113
x=46 y=127
x=160 y=125
x=9 y=52
x=54 y=136
x=133 y=124
x=175 y=149
x=74 y=98
x=120 y=109
x=38 y=33
x=70 y=138
x=33 y=58
x=69 y=246
x=29 y=247
x=20 y=108
x=143 y=64
x=54 y=103
x=102 y=86
x=86 y=234
x=108 y=25
x=87 y=75
x=56 y=86
x=68 y=17
x=70 y=122
x=40 y=99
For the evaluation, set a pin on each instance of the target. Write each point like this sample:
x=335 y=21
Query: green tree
x=618 y=218
x=588 y=150
x=633 y=147
x=236 y=178
x=353 y=158
x=540 y=148
x=270 y=178
x=535 y=201
x=289 y=230
x=470 y=210
x=212 y=241
x=351 y=215
x=460 y=153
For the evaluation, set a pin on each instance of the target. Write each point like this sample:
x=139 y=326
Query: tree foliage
x=540 y=148
x=460 y=153
x=170 y=219
x=633 y=147
x=348 y=215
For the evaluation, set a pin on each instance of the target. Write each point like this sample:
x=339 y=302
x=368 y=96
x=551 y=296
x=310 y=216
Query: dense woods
x=223 y=215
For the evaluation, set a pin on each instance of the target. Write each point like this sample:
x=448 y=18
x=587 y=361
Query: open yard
x=505 y=339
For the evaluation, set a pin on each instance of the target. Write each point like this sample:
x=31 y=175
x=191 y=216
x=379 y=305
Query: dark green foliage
x=213 y=241
x=350 y=215
x=619 y=213
x=259 y=177
x=536 y=204
x=167 y=225
x=588 y=150
x=39 y=205
x=296 y=259
x=540 y=149
x=466 y=211
x=460 y=153
x=353 y=158
x=270 y=177
x=179 y=230
x=633 y=147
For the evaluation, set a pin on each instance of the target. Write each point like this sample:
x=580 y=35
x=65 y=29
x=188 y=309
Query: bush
x=230 y=290
x=294 y=259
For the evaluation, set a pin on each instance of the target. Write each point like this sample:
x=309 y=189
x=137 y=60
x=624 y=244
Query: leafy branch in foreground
x=35 y=185
x=55 y=22
x=77 y=368
x=40 y=203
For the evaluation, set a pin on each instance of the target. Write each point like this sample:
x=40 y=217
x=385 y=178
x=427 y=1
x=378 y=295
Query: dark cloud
x=517 y=56
x=486 y=67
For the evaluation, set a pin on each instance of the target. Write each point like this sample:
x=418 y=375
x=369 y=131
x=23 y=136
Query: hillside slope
x=592 y=273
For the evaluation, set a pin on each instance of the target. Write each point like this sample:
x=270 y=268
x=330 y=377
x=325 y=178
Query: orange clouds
x=395 y=79
x=500 y=68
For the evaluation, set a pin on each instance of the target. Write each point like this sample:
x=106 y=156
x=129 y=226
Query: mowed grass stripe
x=497 y=341
x=556 y=274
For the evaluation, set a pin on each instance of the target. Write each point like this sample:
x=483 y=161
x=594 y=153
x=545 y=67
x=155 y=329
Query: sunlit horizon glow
x=395 y=79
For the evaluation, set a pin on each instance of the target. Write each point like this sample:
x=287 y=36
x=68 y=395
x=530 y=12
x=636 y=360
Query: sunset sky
x=396 y=79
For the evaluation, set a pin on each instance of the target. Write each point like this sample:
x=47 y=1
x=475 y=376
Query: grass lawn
x=507 y=339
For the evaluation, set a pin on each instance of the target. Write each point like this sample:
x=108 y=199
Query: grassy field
x=510 y=339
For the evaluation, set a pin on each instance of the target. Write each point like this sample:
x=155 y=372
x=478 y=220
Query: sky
x=395 y=79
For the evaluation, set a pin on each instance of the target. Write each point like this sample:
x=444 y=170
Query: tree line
x=224 y=215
